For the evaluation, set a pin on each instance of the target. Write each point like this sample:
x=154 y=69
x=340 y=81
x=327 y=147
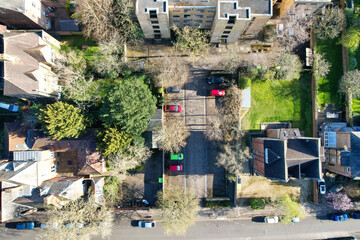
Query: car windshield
x=178 y=168
x=176 y=108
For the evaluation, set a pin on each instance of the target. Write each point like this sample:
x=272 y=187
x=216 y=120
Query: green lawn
x=356 y=102
x=328 y=87
x=279 y=101
x=77 y=41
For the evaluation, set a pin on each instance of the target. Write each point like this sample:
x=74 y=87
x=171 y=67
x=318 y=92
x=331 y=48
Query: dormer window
x=232 y=20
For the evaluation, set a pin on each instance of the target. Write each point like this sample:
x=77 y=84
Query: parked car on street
x=339 y=217
x=217 y=92
x=295 y=220
x=173 y=90
x=146 y=224
x=9 y=107
x=25 y=225
x=177 y=156
x=322 y=186
x=213 y=80
x=355 y=215
x=172 y=108
x=176 y=167
x=271 y=219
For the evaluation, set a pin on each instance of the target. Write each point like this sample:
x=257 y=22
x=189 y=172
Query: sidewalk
x=206 y=214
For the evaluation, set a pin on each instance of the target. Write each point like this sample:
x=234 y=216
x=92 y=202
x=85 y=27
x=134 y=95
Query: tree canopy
x=129 y=105
x=62 y=120
x=330 y=24
x=192 y=41
x=93 y=218
x=291 y=210
x=321 y=67
x=106 y=20
x=350 y=83
x=288 y=66
x=352 y=38
x=339 y=201
x=112 y=140
x=172 y=136
x=178 y=210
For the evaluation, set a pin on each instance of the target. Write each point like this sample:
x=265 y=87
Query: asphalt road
x=310 y=228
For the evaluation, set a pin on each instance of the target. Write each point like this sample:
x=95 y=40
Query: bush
x=269 y=34
x=257 y=203
x=252 y=73
x=111 y=189
x=217 y=204
x=244 y=82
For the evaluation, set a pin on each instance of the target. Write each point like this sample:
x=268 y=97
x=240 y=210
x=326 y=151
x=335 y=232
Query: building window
x=228 y=27
x=200 y=16
x=314 y=3
x=209 y=16
x=199 y=21
x=176 y=16
x=157 y=36
x=156 y=27
x=348 y=169
x=156 y=31
x=186 y=15
x=154 y=22
x=186 y=20
x=187 y=10
x=176 y=21
x=211 y=10
x=231 y=20
x=153 y=14
x=200 y=10
x=209 y=21
x=226 y=32
x=176 y=10
x=224 y=36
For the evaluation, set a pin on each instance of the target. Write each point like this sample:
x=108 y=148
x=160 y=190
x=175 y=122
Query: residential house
x=342 y=150
x=284 y=153
x=27 y=59
x=25 y=14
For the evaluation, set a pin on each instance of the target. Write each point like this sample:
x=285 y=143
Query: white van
x=271 y=219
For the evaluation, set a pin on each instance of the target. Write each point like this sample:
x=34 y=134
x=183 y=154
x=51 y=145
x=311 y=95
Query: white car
x=322 y=187
x=271 y=219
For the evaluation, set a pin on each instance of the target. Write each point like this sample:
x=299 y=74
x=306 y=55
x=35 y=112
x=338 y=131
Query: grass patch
x=328 y=87
x=217 y=204
x=77 y=41
x=278 y=100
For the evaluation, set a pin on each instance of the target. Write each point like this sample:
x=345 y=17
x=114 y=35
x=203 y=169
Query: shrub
x=244 y=82
x=217 y=204
x=269 y=33
x=257 y=203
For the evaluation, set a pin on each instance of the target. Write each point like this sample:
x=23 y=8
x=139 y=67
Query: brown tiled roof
x=89 y=159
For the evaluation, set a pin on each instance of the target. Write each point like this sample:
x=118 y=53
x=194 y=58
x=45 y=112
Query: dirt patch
x=260 y=187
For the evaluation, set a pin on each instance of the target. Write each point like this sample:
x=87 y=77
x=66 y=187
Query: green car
x=177 y=156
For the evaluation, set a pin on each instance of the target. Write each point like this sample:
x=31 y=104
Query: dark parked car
x=339 y=217
x=355 y=215
x=173 y=90
x=213 y=80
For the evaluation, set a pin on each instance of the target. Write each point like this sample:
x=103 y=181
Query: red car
x=217 y=92
x=172 y=108
x=176 y=167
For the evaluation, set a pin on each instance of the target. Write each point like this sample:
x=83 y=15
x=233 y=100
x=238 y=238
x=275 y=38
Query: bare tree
x=289 y=65
x=109 y=19
x=321 y=67
x=297 y=28
x=350 y=83
x=178 y=210
x=172 y=137
x=233 y=156
x=330 y=24
x=170 y=70
x=70 y=68
x=192 y=41
x=78 y=219
x=131 y=157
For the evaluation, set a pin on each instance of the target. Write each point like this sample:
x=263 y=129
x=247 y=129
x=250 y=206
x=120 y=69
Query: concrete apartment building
x=227 y=20
x=25 y=14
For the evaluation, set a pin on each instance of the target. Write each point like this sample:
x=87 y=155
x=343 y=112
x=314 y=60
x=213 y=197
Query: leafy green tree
x=330 y=24
x=244 y=82
x=129 y=105
x=112 y=140
x=178 y=210
x=192 y=41
x=111 y=189
x=257 y=203
x=62 y=120
x=291 y=210
x=352 y=38
x=93 y=219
